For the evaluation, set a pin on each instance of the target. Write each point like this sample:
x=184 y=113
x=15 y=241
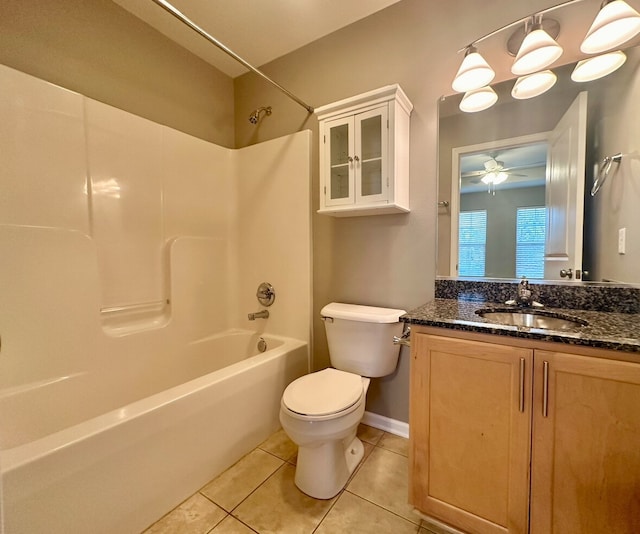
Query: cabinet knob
x=349 y=159
x=356 y=158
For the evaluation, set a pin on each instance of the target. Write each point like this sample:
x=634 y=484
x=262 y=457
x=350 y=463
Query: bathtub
x=121 y=469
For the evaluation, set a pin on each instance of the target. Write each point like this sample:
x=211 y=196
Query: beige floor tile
x=383 y=480
x=356 y=516
x=230 y=525
x=281 y=446
x=279 y=507
x=197 y=515
x=369 y=434
x=394 y=443
x=236 y=483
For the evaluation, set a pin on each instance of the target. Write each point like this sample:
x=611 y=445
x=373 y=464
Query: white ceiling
x=256 y=30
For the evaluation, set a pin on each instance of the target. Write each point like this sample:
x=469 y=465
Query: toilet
x=320 y=412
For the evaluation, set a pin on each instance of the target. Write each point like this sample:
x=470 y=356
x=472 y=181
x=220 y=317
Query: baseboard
x=399 y=428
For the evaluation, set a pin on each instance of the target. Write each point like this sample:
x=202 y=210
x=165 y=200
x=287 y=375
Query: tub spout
x=263 y=314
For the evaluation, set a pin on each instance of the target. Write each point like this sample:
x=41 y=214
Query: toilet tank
x=360 y=338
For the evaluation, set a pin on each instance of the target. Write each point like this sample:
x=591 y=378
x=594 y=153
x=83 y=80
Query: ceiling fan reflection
x=494 y=173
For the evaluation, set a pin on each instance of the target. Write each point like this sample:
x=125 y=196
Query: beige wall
x=100 y=50
x=386 y=260
x=617 y=130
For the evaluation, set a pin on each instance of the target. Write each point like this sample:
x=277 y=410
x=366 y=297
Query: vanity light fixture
x=615 y=24
x=537 y=51
x=474 y=72
x=533 y=84
x=478 y=99
x=534 y=46
x=598 y=66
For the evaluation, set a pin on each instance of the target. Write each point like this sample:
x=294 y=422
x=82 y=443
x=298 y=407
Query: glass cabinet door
x=371 y=157
x=339 y=136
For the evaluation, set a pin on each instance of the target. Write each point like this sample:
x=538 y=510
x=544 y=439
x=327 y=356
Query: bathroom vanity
x=517 y=429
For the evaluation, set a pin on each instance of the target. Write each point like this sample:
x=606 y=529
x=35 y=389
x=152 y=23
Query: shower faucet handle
x=266 y=294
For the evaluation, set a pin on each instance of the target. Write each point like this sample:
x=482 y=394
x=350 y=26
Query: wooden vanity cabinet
x=470 y=421
x=514 y=436
x=585 y=471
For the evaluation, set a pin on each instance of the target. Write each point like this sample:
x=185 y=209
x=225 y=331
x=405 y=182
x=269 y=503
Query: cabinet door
x=470 y=413
x=339 y=162
x=586 y=446
x=371 y=156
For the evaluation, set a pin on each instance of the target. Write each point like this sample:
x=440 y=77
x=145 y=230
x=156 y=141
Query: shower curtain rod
x=185 y=20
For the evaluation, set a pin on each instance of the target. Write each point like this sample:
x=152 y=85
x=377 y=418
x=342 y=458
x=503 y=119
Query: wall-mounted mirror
x=505 y=207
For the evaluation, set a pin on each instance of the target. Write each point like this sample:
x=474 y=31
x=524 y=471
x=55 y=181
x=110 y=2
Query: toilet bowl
x=321 y=411
x=328 y=449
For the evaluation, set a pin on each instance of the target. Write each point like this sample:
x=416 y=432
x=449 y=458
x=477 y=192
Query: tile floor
x=258 y=495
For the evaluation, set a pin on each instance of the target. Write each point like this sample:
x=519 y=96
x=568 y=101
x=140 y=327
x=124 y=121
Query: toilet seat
x=323 y=395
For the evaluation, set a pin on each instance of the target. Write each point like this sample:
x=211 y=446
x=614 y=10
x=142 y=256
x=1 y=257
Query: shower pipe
x=188 y=22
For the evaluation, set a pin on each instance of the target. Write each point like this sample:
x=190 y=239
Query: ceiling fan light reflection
x=474 y=72
x=615 y=23
x=478 y=100
x=598 y=66
x=494 y=178
x=533 y=84
x=538 y=51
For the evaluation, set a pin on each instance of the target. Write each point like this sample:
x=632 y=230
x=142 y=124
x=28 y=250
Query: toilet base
x=313 y=477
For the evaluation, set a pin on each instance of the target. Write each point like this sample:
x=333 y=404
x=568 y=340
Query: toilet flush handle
x=404 y=339
x=327 y=319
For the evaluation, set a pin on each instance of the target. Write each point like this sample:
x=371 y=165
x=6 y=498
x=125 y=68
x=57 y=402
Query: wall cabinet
x=517 y=439
x=364 y=154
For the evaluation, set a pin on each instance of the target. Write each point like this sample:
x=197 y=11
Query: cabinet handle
x=521 y=398
x=545 y=389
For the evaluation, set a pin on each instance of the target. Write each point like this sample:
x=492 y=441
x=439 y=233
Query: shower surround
x=127 y=248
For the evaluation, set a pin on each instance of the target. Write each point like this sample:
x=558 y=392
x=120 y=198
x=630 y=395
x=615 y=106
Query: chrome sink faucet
x=524 y=296
x=262 y=314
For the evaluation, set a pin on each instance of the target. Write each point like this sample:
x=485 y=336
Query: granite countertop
x=608 y=330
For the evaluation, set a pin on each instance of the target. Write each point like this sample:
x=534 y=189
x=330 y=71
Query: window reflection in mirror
x=501 y=229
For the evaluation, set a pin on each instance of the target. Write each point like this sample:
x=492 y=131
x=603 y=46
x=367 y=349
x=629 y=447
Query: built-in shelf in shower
x=123 y=320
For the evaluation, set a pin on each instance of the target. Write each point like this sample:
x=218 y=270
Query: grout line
x=243 y=523
x=335 y=500
x=276 y=456
x=256 y=489
x=386 y=509
x=218 y=523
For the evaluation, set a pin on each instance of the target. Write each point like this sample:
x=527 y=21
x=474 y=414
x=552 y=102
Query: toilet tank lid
x=357 y=312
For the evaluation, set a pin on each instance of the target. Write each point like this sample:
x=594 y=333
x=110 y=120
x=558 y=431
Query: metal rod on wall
x=185 y=20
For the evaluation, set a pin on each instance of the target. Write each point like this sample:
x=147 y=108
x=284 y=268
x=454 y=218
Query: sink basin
x=529 y=318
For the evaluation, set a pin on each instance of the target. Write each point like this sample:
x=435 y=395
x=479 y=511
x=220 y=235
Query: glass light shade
x=474 y=72
x=478 y=100
x=533 y=84
x=615 y=23
x=494 y=178
x=598 y=66
x=537 y=51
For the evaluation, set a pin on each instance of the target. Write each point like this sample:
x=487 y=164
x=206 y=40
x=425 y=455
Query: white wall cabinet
x=364 y=154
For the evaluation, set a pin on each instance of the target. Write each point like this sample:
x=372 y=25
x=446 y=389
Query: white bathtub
x=113 y=462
